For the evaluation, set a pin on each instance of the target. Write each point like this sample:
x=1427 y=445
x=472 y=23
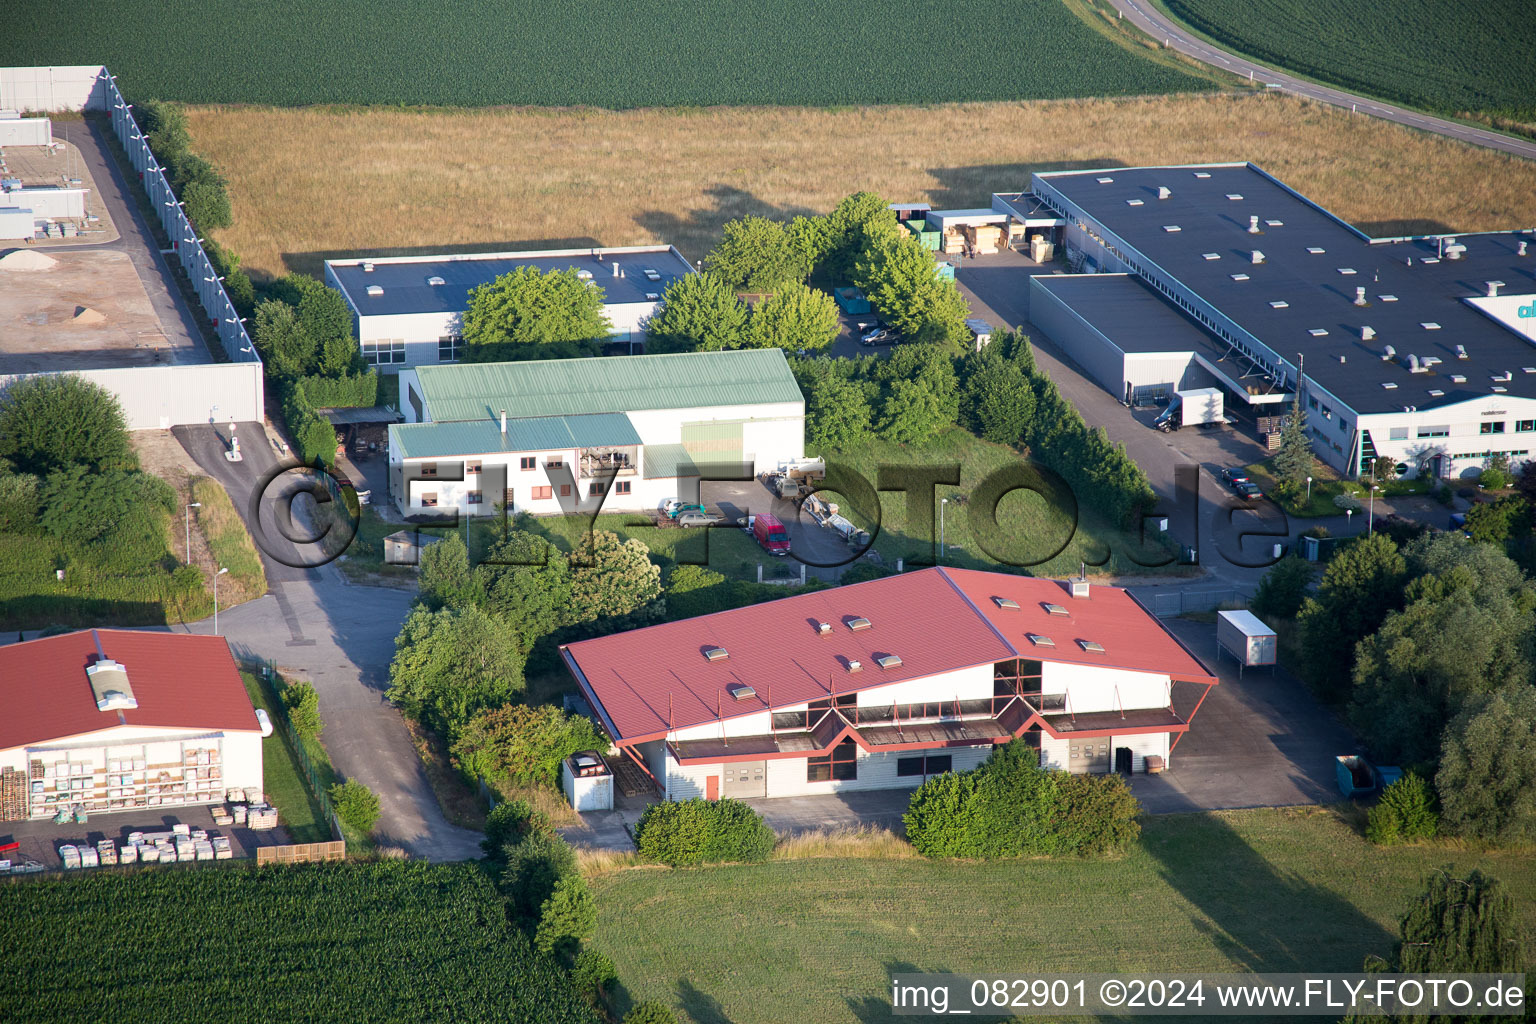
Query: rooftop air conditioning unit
x=716 y=653
x=740 y=691
x=854 y=666
x=1258 y=257
x=1461 y=352
x=1367 y=333
x=889 y=661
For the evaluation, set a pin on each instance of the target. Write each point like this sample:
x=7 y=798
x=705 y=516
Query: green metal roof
x=566 y=387
x=529 y=434
x=663 y=461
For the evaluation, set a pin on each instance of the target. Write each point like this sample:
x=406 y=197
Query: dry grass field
x=314 y=182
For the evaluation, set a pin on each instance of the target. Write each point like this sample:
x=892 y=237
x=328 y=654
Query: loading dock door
x=1088 y=756
x=746 y=779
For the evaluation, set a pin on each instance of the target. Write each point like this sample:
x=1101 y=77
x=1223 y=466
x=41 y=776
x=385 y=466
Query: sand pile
x=26 y=259
x=87 y=315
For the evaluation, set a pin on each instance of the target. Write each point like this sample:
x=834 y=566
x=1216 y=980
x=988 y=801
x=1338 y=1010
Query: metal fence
x=317 y=785
x=1166 y=603
x=186 y=246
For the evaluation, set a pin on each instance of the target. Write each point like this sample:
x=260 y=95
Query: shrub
x=593 y=974
x=314 y=439
x=1098 y=814
x=520 y=745
x=510 y=822
x=534 y=865
x=703 y=832
x=650 y=1012
x=567 y=917
x=451 y=665
x=1405 y=813
x=303 y=706
x=1487 y=776
x=51 y=422
x=1283 y=588
x=1011 y=807
x=351 y=391
x=356 y=805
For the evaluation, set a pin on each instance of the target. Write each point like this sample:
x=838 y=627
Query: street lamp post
x=1349 y=514
x=1370 y=528
x=189 y=508
x=216 y=576
x=1309 y=490
x=942 y=502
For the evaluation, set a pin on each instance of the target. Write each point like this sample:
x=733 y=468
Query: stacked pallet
x=984 y=239
x=221 y=848
x=260 y=817
x=106 y=852
x=221 y=815
x=954 y=242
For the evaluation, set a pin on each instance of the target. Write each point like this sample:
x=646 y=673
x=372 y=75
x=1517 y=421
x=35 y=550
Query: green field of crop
x=563 y=52
x=1450 y=58
x=384 y=941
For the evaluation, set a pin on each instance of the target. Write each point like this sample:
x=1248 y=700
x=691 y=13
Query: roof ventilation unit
x=367 y=268
x=1253 y=225
x=1414 y=366
x=1461 y=352
x=1343 y=358
x=1054 y=609
x=1506 y=375
x=1360 y=296
x=740 y=691
x=857 y=623
x=109 y=685
x=1091 y=646
x=1258 y=257
x=615 y=268
x=854 y=666
x=375 y=291
x=1163 y=192
x=435 y=281
x=889 y=661
x=1455 y=250
x=1040 y=641
x=1006 y=602
x=1458 y=378
x=1493 y=288
x=823 y=629
x=1367 y=333
x=1519 y=248
x=1080 y=587
x=716 y=654
x=1432 y=361
x=651 y=274
x=1388 y=353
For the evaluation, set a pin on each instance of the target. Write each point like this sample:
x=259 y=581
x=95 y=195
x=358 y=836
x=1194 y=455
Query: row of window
x=1484 y=455
x=842 y=765
x=1444 y=429
x=429 y=498
x=383 y=353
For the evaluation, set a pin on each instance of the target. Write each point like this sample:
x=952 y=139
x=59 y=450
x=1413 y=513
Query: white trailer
x=1244 y=636
x=1196 y=407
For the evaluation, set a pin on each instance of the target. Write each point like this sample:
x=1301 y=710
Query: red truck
x=770 y=533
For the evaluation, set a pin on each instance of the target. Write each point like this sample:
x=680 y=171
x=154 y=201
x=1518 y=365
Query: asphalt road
x=340 y=637
x=1157 y=25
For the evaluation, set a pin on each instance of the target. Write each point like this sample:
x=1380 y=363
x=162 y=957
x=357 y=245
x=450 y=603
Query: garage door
x=1088 y=756
x=745 y=779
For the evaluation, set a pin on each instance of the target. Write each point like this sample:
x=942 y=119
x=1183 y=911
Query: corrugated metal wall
x=160 y=397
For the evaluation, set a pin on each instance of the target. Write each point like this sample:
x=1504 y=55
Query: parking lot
x=823 y=551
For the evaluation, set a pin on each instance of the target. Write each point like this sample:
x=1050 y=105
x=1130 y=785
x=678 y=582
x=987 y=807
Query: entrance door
x=712 y=787
x=746 y=779
x=1088 y=756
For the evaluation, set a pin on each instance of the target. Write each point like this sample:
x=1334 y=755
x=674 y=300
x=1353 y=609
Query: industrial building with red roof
x=111 y=719
x=882 y=684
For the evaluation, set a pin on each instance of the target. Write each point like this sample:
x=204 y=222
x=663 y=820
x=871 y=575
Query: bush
x=1405 y=813
x=1011 y=807
x=451 y=665
x=1487 y=776
x=351 y=391
x=510 y=822
x=51 y=422
x=593 y=974
x=356 y=805
x=520 y=745
x=303 y=706
x=534 y=866
x=703 y=832
x=1283 y=588
x=650 y=1012
x=314 y=439
x=568 y=917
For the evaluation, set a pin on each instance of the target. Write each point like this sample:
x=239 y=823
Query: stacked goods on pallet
x=185 y=849
x=129 y=854
x=89 y=857
x=221 y=848
x=221 y=816
x=253 y=796
x=204 y=849
x=149 y=853
x=13 y=792
x=239 y=815
x=984 y=239
x=106 y=851
x=954 y=242
x=69 y=855
x=261 y=817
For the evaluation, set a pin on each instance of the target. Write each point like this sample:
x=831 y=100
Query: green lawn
x=1325 y=489
x=283 y=778
x=567 y=53
x=816 y=940
x=364 y=557
x=1029 y=532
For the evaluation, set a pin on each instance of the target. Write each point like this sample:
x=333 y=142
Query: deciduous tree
x=444 y=578
x=837 y=413
x=755 y=256
x=997 y=401
x=58 y=420
x=613 y=579
x=527 y=307
x=450 y=664
x=1362 y=583
x=795 y=318
x=901 y=281
x=1487 y=776
x=699 y=312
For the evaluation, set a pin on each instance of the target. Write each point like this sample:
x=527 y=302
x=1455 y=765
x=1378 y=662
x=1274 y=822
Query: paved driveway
x=1258 y=741
x=339 y=636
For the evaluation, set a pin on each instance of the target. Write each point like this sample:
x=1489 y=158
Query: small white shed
x=1244 y=636
x=587 y=782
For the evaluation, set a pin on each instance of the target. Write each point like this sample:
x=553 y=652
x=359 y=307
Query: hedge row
x=703 y=832
x=354 y=391
x=314 y=439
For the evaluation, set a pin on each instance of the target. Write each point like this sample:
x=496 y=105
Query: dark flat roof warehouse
x=1123 y=309
x=406 y=280
x=1301 y=298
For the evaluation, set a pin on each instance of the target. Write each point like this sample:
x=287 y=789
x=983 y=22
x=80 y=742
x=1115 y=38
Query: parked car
x=879 y=336
x=692 y=518
x=770 y=533
x=1248 y=490
x=1233 y=477
x=674 y=507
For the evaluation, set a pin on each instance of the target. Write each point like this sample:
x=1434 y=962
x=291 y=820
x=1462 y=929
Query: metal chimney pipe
x=503 y=421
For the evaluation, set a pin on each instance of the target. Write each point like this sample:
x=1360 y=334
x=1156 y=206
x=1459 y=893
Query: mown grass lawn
x=816 y=941
x=1029 y=532
x=283 y=779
